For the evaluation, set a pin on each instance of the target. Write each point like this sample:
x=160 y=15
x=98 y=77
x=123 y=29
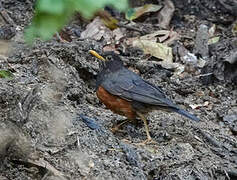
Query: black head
x=113 y=61
x=110 y=65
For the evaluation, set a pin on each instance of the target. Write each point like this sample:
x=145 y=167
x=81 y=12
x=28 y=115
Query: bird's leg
x=146 y=125
x=149 y=139
x=117 y=127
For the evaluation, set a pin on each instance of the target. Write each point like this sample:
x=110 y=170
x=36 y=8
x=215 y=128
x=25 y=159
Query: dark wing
x=130 y=86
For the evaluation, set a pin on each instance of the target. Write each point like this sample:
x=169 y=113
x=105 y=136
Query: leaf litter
x=66 y=77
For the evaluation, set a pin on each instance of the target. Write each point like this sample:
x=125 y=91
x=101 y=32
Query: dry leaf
x=110 y=47
x=164 y=36
x=118 y=34
x=157 y=50
x=166 y=14
x=134 y=13
x=96 y=30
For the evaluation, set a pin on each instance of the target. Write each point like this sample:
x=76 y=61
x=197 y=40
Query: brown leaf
x=166 y=14
x=96 y=30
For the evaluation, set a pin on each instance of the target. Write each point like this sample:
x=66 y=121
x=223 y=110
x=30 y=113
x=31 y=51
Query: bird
x=127 y=94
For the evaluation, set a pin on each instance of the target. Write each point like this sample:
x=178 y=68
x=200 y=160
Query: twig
x=227 y=175
x=43 y=166
x=211 y=139
x=46 y=175
x=27 y=103
x=230 y=172
x=5 y=15
x=202 y=75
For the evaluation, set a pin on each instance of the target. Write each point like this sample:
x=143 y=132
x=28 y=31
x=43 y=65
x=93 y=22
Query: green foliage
x=51 y=15
x=130 y=12
x=6 y=74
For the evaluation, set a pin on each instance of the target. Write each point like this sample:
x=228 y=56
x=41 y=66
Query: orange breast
x=115 y=103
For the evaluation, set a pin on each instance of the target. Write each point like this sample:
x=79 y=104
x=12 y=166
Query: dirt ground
x=43 y=137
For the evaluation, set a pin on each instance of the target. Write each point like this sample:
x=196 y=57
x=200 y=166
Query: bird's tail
x=186 y=114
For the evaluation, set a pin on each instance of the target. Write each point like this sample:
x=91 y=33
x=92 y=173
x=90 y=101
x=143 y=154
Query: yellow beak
x=94 y=53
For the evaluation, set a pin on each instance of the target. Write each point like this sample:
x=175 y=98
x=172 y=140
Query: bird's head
x=110 y=63
x=109 y=60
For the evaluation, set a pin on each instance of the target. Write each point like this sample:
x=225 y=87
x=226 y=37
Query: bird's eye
x=109 y=58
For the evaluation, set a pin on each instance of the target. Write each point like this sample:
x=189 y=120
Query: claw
x=117 y=128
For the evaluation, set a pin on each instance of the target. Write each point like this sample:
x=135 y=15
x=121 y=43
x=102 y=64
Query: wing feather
x=130 y=86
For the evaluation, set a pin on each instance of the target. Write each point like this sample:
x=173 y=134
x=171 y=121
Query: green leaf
x=88 y=7
x=129 y=14
x=6 y=74
x=51 y=15
x=51 y=6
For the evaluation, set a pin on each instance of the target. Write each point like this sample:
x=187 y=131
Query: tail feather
x=186 y=114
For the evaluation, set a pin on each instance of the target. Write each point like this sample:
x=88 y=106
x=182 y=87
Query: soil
x=43 y=137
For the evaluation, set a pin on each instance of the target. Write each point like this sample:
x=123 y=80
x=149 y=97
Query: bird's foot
x=117 y=129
